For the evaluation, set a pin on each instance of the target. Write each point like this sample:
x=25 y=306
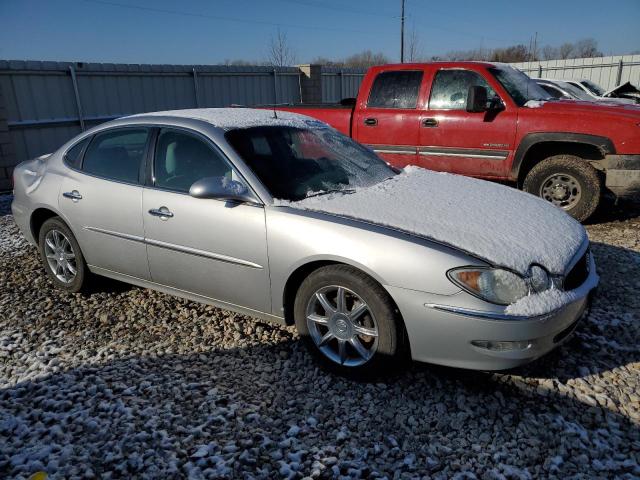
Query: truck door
x=453 y=140
x=387 y=121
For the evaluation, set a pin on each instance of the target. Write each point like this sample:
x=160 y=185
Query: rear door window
x=451 y=88
x=117 y=154
x=398 y=89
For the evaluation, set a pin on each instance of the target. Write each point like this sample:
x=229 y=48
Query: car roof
x=233 y=118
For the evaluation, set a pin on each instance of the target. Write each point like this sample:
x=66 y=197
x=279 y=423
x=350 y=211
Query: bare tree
x=413 y=49
x=280 y=53
x=586 y=48
x=549 y=52
x=565 y=50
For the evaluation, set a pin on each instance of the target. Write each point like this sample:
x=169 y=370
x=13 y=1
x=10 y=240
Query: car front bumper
x=441 y=331
x=622 y=174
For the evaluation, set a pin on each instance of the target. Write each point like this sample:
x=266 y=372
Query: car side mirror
x=477 y=99
x=221 y=188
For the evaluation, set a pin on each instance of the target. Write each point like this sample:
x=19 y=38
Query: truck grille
x=578 y=273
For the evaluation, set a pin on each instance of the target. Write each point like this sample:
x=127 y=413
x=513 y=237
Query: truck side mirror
x=476 y=99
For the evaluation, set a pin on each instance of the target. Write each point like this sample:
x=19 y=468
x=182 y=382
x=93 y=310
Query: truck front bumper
x=622 y=174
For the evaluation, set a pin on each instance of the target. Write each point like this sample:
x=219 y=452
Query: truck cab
x=491 y=121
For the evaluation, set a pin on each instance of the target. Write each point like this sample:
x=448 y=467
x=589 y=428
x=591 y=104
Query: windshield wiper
x=332 y=190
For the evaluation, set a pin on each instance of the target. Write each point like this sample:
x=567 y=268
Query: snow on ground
x=126 y=382
x=507 y=227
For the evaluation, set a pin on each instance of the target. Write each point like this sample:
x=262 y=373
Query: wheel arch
x=37 y=219
x=535 y=147
x=299 y=273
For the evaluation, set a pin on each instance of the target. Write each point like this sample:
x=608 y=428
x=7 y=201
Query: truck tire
x=568 y=182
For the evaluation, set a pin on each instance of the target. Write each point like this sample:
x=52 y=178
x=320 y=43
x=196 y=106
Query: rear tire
x=568 y=182
x=61 y=256
x=349 y=323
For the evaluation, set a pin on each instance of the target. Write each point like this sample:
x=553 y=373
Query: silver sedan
x=278 y=216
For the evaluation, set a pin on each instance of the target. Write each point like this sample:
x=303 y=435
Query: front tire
x=61 y=256
x=568 y=182
x=349 y=323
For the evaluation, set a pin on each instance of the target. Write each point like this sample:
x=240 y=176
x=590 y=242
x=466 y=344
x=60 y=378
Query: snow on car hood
x=500 y=224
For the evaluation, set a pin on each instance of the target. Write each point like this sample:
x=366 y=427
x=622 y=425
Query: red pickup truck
x=491 y=121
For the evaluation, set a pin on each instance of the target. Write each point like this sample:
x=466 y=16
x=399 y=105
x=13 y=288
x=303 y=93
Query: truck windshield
x=294 y=163
x=518 y=85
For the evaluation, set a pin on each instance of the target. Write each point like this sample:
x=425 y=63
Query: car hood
x=625 y=88
x=496 y=223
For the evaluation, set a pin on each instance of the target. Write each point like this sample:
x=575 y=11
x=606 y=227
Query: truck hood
x=622 y=90
x=493 y=222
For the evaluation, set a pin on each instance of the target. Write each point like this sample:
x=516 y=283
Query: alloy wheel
x=342 y=326
x=60 y=256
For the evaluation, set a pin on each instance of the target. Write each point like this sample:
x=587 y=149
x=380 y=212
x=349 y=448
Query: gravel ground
x=127 y=382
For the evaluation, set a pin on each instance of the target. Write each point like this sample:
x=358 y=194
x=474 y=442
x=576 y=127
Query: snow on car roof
x=232 y=118
x=507 y=227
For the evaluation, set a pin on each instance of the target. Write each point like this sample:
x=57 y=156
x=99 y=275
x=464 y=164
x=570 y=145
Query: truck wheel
x=568 y=182
x=349 y=323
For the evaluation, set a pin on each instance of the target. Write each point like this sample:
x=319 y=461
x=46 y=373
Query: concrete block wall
x=311 y=83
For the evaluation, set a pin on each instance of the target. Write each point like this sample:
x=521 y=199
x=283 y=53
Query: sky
x=211 y=31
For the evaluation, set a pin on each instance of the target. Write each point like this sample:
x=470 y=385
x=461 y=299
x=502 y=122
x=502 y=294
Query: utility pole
x=402 y=32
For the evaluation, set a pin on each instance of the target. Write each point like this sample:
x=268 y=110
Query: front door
x=212 y=248
x=388 y=120
x=101 y=199
x=454 y=140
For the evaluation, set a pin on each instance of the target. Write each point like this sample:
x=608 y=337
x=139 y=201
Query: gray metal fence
x=605 y=71
x=44 y=104
x=339 y=83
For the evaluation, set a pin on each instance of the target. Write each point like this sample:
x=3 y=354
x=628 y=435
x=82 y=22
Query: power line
x=224 y=19
x=310 y=3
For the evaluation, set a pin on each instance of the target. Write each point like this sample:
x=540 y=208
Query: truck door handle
x=429 y=122
x=371 y=121
x=162 y=212
x=73 y=195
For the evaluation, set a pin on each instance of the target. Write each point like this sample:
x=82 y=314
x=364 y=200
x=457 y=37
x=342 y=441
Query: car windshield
x=520 y=87
x=294 y=163
x=593 y=87
x=576 y=92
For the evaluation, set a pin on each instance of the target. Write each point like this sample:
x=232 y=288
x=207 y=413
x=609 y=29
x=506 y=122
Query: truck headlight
x=494 y=285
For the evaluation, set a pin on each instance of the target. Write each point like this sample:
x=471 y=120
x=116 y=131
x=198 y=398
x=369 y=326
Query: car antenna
x=275 y=115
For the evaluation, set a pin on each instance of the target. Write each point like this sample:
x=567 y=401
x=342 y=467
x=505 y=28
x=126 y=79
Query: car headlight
x=539 y=278
x=494 y=285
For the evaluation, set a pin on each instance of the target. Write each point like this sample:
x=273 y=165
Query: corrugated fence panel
x=607 y=72
x=339 y=83
x=43 y=113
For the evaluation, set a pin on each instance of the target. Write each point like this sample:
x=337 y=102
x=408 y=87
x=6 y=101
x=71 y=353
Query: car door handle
x=371 y=121
x=73 y=195
x=429 y=122
x=162 y=212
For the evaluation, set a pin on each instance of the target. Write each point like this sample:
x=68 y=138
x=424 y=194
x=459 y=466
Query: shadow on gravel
x=610 y=211
x=149 y=416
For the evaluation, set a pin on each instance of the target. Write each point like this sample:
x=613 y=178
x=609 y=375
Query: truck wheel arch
x=535 y=147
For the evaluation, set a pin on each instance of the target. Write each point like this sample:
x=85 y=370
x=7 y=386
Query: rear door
x=454 y=140
x=101 y=199
x=208 y=247
x=388 y=120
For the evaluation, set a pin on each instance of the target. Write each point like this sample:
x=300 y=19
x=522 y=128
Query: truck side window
x=450 y=89
x=395 y=89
